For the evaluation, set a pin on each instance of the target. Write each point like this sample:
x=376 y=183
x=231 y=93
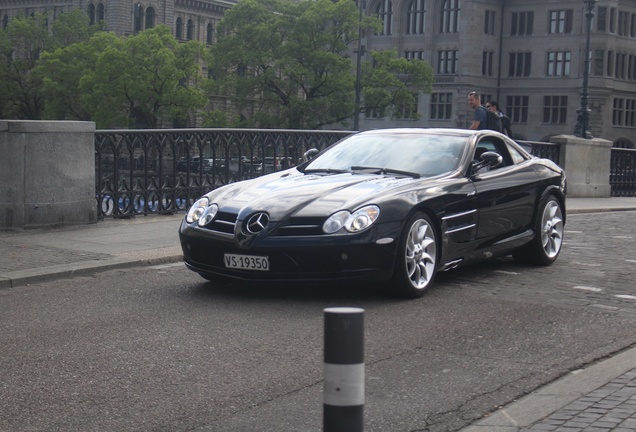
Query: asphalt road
x=159 y=349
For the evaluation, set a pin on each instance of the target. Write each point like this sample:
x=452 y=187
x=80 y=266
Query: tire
x=417 y=258
x=545 y=247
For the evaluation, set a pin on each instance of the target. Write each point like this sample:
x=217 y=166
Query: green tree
x=288 y=64
x=145 y=77
x=389 y=82
x=21 y=45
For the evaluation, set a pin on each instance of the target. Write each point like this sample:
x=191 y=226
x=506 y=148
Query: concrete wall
x=587 y=165
x=47 y=174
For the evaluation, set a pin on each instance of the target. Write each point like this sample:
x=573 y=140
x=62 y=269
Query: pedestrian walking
x=505 y=120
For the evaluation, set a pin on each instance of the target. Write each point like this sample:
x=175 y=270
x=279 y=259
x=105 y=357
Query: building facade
x=526 y=54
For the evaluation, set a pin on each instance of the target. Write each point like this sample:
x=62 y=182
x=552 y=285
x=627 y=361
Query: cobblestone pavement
x=21 y=256
x=583 y=275
x=609 y=408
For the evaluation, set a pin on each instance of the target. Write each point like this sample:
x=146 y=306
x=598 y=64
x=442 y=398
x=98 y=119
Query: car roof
x=424 y=131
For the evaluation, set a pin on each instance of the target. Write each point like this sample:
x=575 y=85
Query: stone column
x=47 y=174
x=587 y=165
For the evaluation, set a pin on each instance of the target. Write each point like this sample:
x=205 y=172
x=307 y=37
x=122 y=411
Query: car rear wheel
x=416 y=263
x=549 y=226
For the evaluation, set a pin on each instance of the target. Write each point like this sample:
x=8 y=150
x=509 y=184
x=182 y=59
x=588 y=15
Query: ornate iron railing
x=544 y=150
x=165 y=171
x=140 y=172
x=623 y=172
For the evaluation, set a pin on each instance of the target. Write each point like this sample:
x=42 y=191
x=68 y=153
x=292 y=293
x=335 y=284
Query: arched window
x=209 y=34
x=190 y=35
x=91 y=13
x=384 y=11
x=450 y=16
x=139 y=17
x=101 y=13
x=179 y=29
x=5 y=21
x=150 y=17
x=415 y=17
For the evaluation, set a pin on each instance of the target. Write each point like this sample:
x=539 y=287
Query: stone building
x=526 y=54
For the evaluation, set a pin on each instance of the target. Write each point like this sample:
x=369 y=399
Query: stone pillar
x=587 y=165
x=47 y=174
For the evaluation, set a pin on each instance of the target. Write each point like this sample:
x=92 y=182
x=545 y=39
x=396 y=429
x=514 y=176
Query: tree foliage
x=289 y=63
x=78 y=72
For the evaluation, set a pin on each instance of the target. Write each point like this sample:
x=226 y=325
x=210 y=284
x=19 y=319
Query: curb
x=548 y=399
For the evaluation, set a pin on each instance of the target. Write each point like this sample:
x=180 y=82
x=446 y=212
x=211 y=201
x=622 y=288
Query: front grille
x=301 y=226
x=223 y=222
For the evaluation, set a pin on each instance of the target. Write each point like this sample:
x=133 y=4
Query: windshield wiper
x=379 y=170
x=326 y=170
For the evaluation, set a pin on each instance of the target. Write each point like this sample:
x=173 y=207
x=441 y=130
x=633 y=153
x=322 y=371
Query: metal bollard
x=343 y=390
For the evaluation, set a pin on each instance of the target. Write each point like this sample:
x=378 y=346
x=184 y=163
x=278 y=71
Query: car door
x=505 y=195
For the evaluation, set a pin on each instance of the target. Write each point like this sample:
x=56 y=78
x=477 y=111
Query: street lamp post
x=582 y=128
x=359 y=52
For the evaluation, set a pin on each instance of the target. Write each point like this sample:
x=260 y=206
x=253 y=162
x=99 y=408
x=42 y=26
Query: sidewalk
x=601 y=397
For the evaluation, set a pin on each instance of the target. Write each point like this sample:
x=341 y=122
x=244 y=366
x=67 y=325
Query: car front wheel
x=416 y=262
x=549 y=226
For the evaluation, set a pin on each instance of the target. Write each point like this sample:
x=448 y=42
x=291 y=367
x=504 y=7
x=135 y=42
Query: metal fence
x=623 y=172
x=165 y=171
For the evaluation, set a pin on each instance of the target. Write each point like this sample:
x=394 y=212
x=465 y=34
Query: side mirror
x=487 y=161
x=310 y=154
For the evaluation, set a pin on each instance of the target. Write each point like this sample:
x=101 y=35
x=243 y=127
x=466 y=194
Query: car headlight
x=354 y=222
x=197 y=209
x=208 y=215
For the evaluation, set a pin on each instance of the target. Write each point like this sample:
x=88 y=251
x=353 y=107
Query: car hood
x=293 y=193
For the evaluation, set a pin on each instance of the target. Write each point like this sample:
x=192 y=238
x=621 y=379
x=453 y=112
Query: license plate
x=246 y=262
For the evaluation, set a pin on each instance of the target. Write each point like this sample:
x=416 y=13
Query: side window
x=517 y=157
x=494 y=145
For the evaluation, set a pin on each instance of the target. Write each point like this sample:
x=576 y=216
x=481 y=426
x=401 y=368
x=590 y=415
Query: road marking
x=506 y=272
x=166 y=266
x=586 y=288
x=625 y=296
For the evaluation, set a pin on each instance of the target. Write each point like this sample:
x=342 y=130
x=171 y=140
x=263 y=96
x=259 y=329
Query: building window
x=517 y=108
x=91 y=13
x=560 y=21
x=486 y=63
x=415 y=17
x=623 y=23
x=384 y=12
x=489 y=22
x=612 y=20
x=414 y=55
x=101 y=12
x=632 y=31
x=150 y=17
x=450 y=16
x=519 y=64
x=599 y=62
x=624 y=113
x=521 y=23
x=601 y=19
x=178 y=29
x=139 y=17
x=447 y=62
x=555 y=109
x=610 y=63
x=209 y=34
x=558 y=63
x=631 y=68
x=441 y=106
x=621 y=62
x=190 y=30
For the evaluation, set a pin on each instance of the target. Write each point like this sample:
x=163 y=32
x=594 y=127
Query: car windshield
x=392 y=153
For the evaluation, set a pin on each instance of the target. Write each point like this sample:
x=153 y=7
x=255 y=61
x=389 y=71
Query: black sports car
x=393 y=205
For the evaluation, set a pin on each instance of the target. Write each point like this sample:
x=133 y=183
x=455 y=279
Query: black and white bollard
x=343 y=391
